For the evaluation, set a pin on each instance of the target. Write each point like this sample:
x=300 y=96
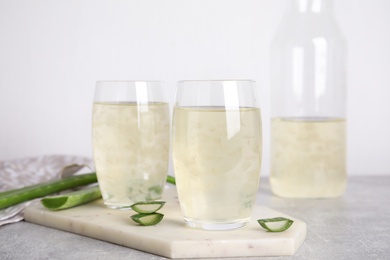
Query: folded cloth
x=29 y=171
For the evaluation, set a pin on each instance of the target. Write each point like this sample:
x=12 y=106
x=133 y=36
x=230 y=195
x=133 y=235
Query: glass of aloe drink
x=130 y=135
x=217 y=149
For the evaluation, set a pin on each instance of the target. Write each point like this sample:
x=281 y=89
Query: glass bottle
x=308 y=103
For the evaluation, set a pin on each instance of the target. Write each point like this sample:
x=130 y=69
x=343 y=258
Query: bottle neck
x=312 y=6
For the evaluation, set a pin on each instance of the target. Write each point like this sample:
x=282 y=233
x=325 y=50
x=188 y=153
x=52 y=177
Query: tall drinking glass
x=217 y=148
x=130 y=134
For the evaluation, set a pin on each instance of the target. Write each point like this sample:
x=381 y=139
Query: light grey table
x=355 y=226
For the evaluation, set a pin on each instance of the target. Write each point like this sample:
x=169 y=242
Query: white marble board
x=171 y=238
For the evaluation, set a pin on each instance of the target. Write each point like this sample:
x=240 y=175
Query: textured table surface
x=355 y=226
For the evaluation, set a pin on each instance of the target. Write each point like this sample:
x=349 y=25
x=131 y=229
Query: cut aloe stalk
x=72 y=199
x=12 y=197
x=13 y=191
x=147 y=207
x=171 y=180
x=278 y=224
x=147 y=219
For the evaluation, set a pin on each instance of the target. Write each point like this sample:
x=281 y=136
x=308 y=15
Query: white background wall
x=52 y=52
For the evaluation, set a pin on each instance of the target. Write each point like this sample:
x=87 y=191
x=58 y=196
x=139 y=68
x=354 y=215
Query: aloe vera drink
x=217 y=160
x=131 y=151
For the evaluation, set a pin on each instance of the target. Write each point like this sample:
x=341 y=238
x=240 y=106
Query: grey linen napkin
x=29 y=171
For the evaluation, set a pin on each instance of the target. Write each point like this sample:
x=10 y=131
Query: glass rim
x=217 y=81
x=129 y=81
